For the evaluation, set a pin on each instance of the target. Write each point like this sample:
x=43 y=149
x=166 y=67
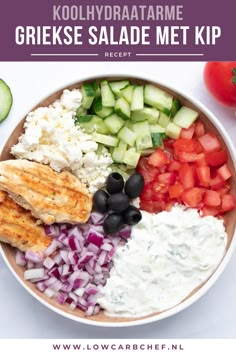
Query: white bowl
x=211 y=122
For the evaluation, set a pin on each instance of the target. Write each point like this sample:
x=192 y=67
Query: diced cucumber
x=156 y=97
x=88 y=95
x=105 y=139
x=137 y=99
x=163 y=119
x=114 y=123
x=122 y=108
x=119 y=168
x=84 y=119
x=143 y=140
x=119 y=152
x=108 y=98
x=131 y=157
x=157 y=139
x=156 y=128
x=99 y=109
x=173 y=130
x=185 y=117
x=127 y=136
x=127 y=93
x=147 y=152
x=117 y=86
x=129 y=124
x=151 y=114
x=81 y=111
x=92 y=123
x=175 y=107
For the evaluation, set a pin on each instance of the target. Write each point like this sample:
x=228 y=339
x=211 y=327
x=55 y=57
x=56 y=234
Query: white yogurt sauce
x=168 y=255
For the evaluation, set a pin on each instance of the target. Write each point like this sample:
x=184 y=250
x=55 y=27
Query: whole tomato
x=220 y=80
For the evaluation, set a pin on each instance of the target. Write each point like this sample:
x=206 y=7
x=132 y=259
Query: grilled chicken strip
x=51 y=196
x=18 y=227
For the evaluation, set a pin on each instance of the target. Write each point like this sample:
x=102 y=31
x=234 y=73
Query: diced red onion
x=95 y=238
x=48 y=262
x=34 y=273
x=96 y=217
x=77 y=263
x=20 y=258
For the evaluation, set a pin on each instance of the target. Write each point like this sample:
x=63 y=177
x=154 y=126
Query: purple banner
x=109 y=30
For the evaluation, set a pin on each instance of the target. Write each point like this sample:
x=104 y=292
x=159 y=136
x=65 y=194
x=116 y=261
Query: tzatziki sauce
x=167 y=256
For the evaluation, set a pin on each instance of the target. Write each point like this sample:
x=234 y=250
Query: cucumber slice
x=151 y=114
x=176 y=105
x=137 y=99
x=92 y=123
x=157 y=139
x=173 y=130
x=127 y=136
x=88 y=94
x=99 y=109
x=119 y=152
x=122 y=108
x=114 y=123
x=131 y=157
x=127 y=93
x=117 y=86
x=5 y=100
x=163 y=119
x=144 y=139
x=156 y=128
x=185 y=117
x=108 y=98
x=157 y=98
x=105 y=139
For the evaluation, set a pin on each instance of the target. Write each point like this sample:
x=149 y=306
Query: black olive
x=134 y=185
x=114 y=183
x=100 y=199
x=118 y=202
x=132 y=215
x=113 y=223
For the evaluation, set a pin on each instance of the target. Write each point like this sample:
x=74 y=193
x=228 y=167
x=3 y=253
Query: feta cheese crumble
x=52 y=138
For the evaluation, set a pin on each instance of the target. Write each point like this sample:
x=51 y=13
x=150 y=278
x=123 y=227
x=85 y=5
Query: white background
x=21 y=316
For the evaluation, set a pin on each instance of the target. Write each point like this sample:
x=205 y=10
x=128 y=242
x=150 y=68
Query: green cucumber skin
x=6 y=100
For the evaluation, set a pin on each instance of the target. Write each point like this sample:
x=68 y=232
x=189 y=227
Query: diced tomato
x=173 y=165
x=147 y=205
x=212 y=198
x=187 y=156
x=176 y=190
x=228 y=202
x=183 y=144
x=199 y=129
x=209 y=142
x=203 y=175
x=187 y=176
x=147 y=192
x=148 y=171
x=158 y=158
x=209 y=211
x=187 y=133
x=224 y=172
x=169 y=206
x=168 y=144
x=217 y=182
x=192 y=197
x=217 y=158
x=167 y=178
x=224 y=190
x=201 y=160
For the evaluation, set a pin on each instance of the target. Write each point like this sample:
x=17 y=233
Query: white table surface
x=21 y=316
